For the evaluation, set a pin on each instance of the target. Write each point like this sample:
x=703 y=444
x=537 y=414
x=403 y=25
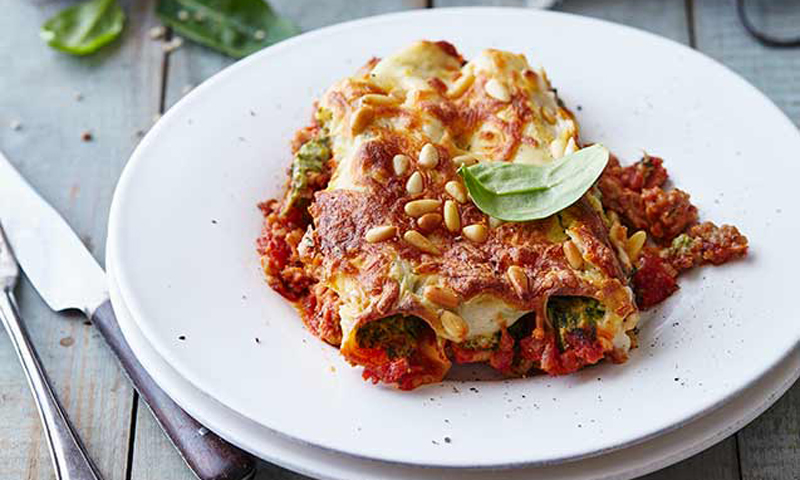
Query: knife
x=68 y=278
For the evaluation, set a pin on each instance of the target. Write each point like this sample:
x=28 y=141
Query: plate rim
x=127 y=174
x=704 y=441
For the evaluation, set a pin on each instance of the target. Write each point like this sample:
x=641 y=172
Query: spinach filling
x=568 y=314
x=397 y=335
x=482 y=342
x=309 y=159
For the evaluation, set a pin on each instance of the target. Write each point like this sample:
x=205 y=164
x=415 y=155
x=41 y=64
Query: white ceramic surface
x=183 y=225
x=620 y=465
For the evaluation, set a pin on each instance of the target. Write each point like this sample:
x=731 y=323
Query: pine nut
x=464 y=160
x=415 y=184
x=428 y=156
x=477 y=232
x=378 y=99
x=418 y=240
x=461 y=85
x=418 y=208
x=429 y=221
x=557 y=148
x=379 y=234
x=441 y=296
x=573 y=255
x=571 y=146
x=454 y=325
x=456 y=190
x=518 y=279
x=635 y=244
x=400 y=164
x=452 y=220
x=361 y=119
x=548 y=115
x=497 y=90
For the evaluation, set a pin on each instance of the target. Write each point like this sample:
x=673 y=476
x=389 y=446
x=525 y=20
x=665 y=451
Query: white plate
x=620 y=465
x=183 y=225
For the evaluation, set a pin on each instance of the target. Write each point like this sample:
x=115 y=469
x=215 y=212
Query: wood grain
x=769 y=448
x=776 y=72
x=39 y=89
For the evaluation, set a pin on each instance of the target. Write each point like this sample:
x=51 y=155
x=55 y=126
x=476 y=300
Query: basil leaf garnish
x=85 y=27
x=234 y=27
x=518 y=192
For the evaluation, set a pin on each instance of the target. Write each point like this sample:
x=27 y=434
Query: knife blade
x=68 y=277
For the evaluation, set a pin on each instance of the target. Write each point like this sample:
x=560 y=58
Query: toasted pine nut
x=441 y=296
x=477 y=232
x=454 y=325
x=518 y=279
x=418 y=240
x=618 y=235
x=573 y=254
x=497 y=90
x=571 y=146
x=456 y=190
x=400 y=164
x=361 y=119
x=452 y=220
x=379 y=234
x=557 y=148
x=461 y=85
x=415 y=183
x=635 y=244
x=378 y=99
x=429 y=221
x=418 y=208
x=548 y=115
x=464 y=160
x=428 y=156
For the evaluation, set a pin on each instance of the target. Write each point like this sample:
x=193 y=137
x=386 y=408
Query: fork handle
x=69 y=456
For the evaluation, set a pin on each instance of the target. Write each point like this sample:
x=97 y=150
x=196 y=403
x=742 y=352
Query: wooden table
x=116 y=95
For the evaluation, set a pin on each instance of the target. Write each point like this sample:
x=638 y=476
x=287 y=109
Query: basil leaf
x=85 y=27
x=234 y=27
x=522 y=192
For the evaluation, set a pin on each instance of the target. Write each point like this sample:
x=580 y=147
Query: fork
x=68 y=453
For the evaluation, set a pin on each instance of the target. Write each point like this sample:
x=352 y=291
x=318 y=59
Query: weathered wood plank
x=776 y=72
x=769 y=448
x=153 y=447
x=187 y=67
x=39 y=89
x=192 y=64
x=663 y=17
x=718 y=462
x=667 y=18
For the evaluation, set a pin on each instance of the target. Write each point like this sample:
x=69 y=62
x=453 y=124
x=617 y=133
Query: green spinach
x=85 y=27
x=520 y=192
x=310 y=158
x=234 y=27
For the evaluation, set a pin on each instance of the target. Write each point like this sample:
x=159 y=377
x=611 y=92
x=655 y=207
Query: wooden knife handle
x=207 y=455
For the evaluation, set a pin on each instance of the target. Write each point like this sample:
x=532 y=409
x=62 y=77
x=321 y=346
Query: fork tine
x=9 y=270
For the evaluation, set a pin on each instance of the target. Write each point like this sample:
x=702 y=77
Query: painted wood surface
x=55 y=99
x=769 y=448
x=122 y=89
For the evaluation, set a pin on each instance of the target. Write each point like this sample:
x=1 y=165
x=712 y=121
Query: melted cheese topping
x=412 y=81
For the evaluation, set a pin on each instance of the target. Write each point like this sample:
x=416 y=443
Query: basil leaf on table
x=234 y=27
x=85 y=27
x=518 y=192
